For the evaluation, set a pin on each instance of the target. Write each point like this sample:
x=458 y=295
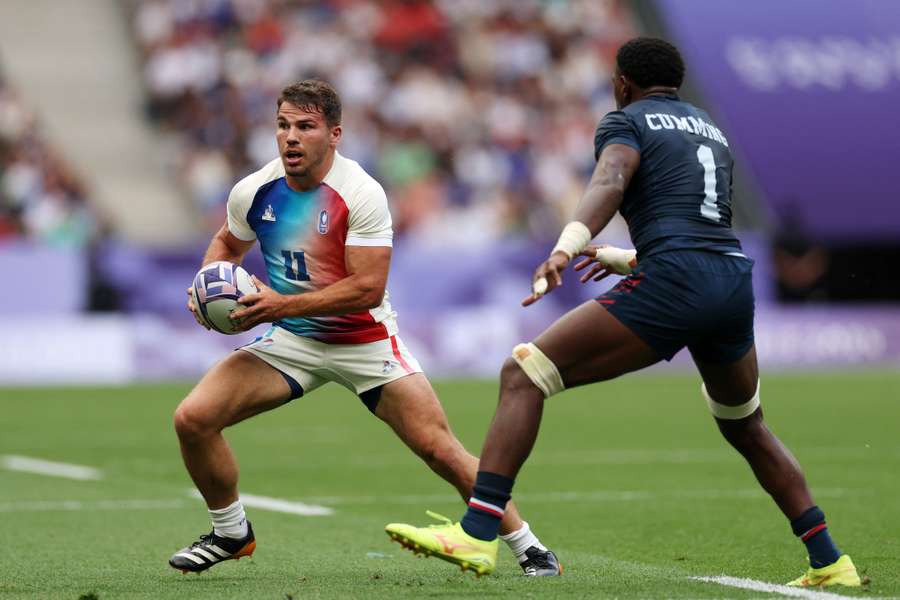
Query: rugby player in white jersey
x=325 y=231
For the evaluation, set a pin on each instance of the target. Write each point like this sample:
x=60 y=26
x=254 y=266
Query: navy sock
x=487 y=505
x=811 y=529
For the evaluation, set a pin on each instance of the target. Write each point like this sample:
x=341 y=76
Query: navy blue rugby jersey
x=680 y=196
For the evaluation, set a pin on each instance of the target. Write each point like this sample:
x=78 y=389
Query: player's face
x=304 y=139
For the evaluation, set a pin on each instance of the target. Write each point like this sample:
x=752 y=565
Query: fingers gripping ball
x=217 y=287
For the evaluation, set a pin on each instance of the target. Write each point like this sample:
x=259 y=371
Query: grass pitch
x=630 y=483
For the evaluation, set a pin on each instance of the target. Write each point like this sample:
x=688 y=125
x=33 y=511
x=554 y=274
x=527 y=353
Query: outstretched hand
x=547 y=277
x=265 y=306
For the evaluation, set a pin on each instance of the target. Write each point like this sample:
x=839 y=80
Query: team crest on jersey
x=323 y=222
x=269 y=215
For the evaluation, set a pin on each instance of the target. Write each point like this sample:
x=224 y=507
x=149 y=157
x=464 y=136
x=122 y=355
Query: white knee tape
x=723 y=411
x=540 y=369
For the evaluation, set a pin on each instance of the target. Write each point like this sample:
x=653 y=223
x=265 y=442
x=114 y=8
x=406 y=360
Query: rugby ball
x=217 y=287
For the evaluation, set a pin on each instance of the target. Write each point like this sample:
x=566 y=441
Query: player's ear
x=336 y=133
x=626 y=88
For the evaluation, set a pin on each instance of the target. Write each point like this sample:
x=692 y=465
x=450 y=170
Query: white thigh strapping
x=540 y=369
x=723 y=411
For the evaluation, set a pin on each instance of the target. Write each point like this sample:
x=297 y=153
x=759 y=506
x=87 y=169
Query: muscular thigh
x=236 y=388
x=588 y=344
x=411 y=408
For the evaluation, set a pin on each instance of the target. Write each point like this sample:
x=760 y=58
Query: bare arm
x=362 y=289
x=225 y=246
x=606 y=190
x=601 y=200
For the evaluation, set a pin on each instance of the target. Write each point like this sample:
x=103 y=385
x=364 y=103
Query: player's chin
x=295 y=170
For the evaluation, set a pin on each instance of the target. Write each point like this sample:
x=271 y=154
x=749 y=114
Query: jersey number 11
x=295 y=266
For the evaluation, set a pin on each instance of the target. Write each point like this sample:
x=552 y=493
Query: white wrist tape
x=574 y=238
x=620 y=260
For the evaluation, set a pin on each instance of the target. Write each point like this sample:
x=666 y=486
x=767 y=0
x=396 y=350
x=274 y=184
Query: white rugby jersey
x=303 y=236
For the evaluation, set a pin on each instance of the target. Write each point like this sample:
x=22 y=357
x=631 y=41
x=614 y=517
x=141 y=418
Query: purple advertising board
x=807 y=93
x=459 y=313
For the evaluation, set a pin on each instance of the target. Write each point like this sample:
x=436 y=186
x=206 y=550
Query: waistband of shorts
x=713 y=258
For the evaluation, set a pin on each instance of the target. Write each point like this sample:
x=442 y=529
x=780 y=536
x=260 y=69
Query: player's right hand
x=547 y=277
x=194 y=311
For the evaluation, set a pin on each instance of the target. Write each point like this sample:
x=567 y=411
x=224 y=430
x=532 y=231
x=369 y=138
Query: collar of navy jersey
x=661 y=96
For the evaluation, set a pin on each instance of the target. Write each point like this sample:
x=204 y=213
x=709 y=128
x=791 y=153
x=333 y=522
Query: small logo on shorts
x=323 y=222
x=388 y=366
x=263 y=341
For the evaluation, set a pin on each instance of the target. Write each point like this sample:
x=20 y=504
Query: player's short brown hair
x=314 y=95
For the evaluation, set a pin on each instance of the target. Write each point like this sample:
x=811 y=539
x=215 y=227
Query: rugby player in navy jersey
x=665 y=166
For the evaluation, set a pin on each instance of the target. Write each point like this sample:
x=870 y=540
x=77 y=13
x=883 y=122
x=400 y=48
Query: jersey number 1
x=295 y=266
x=709 y=208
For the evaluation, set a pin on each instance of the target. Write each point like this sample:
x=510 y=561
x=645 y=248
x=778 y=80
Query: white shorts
x=307 y=363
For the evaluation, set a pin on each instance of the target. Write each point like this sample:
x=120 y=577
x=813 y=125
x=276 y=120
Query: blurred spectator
x=40 y=197
x=810 y=270
x=478 y=116
x=800 y=264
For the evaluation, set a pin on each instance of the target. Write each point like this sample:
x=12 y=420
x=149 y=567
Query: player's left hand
x=265 y=306
x=550 y=273
x=606 y=260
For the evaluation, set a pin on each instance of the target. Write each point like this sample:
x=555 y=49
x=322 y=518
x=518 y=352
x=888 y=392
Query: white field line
x=278 y=505
x=645 y=457
x=39 y=466
x=66 y=505
x=774 y=588
x=317 y=508
x=673 y=575
x=648 y=456
x=581 y=496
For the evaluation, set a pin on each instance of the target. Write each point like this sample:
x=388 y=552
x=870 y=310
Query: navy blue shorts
x=702 y=300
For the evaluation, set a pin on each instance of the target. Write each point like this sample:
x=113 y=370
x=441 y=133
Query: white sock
x=230 y=522
x=521 y=540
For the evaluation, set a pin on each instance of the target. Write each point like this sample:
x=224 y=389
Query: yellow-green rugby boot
x=840 y=572
x=447 y=541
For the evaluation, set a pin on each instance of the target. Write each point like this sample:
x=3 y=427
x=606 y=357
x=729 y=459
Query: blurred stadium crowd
x=41 y=197
x=478 y=117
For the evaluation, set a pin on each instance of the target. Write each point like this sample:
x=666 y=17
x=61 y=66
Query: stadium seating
x=41 y=198
x=478 y=117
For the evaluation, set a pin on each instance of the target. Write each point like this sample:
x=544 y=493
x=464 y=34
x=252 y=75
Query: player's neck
x=657 y=90
x=313 y=178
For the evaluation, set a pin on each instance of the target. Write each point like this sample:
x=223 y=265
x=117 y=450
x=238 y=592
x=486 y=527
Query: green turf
x=629 y=483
